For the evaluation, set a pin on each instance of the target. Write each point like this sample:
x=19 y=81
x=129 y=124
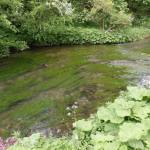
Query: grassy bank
x=121 y=125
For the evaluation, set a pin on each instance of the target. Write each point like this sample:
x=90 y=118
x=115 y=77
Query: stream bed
x=46 y=89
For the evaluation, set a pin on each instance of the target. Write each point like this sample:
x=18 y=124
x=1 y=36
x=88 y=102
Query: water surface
x=38 y=88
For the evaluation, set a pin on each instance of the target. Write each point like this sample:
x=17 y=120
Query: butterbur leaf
x=147 y=140
x=108 y=114
x=131 y=131
x=107 y=146
x=83 y=125
x=123 y=147
x=116 y=119
x=112 y=146
x=122 y=112
x=141 y=111
x=111 y=128
x=77 y=135
x=100 y=137
x=124 y=103
x=138 y=93
x=136 y=144
x=103 y=114
x=121 y=108
x=146 y=123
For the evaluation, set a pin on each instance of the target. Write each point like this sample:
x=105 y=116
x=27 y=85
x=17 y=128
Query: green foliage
x=10 y=13
x=121 y=125
x=61 y=35
x=18 y=16
x=109 y=14
x=139 y=7
x=54 y=22
x=38 y=142
x=142 y=21
x=124 y=124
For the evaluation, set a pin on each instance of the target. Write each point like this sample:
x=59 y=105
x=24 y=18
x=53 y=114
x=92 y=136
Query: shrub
x=45 y=35
x=6 y=44
x=62 y=35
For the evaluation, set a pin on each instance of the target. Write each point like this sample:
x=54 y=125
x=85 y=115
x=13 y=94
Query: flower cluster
x=4 y=144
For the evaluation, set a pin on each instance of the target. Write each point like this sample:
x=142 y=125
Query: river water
x=46 y=89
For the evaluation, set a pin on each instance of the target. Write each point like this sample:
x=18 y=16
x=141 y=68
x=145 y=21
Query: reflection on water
x=46 y=89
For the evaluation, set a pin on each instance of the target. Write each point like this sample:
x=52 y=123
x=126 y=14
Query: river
x=46 y=89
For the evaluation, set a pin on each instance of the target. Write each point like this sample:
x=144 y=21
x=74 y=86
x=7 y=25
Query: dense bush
x=121 y=125
x=142 y=21
x=10 y=13
x=78 y=35
x=8 y=43
x=62 y=35
x=15 y=14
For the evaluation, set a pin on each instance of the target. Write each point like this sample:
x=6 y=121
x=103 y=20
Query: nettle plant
x=121 y=125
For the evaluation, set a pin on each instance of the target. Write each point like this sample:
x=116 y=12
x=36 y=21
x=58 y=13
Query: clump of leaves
x=121 y=125
x=38 y=142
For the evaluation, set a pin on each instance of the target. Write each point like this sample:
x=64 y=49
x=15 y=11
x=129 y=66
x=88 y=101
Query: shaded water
x=38 y=88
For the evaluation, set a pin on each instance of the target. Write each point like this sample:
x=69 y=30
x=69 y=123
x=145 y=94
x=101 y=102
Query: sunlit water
x=46 y=89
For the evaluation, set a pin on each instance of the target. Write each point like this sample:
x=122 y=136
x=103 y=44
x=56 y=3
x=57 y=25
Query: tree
x=139 y=7
x=10 y=14
x=18 y=19
x=109 y=14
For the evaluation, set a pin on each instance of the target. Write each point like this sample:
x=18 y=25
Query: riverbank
x=109 y=128
x=69 y=35
x=82 y=35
